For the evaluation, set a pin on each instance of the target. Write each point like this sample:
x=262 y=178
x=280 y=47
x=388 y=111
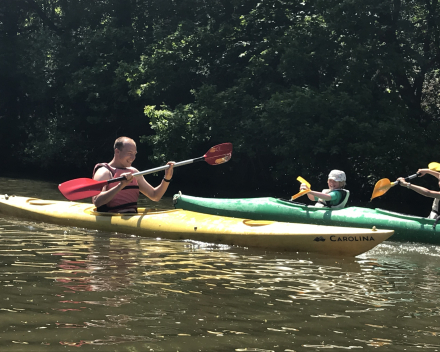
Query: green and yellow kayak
x=406 y=227
x=188 y=225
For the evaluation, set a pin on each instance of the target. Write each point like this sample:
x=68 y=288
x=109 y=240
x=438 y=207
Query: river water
x=71 y=289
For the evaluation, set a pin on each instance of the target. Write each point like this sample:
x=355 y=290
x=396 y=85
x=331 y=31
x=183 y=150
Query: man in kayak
x=424 y=191
x=336 y=196
x=123 y=196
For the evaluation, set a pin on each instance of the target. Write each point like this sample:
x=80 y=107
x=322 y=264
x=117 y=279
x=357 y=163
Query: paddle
x=382 y=186
x=301 y=193
x=434 y=166
x=81 y=188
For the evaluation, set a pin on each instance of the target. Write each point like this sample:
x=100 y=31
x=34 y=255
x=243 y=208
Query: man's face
x=127 y=154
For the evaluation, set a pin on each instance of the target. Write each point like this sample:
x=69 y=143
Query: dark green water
x=70 y=289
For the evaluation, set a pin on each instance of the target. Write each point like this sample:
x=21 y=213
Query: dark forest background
x=298 y=87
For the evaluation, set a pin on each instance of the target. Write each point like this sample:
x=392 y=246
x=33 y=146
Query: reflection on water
x=72 y=287
x=96 y=291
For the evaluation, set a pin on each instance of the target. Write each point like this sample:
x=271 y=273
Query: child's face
x=332 y=184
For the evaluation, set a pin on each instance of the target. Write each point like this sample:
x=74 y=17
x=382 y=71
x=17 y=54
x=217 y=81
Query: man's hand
x=128 y=177
x=169 y=172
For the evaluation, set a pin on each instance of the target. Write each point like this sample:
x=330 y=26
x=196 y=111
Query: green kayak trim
x=406 y=227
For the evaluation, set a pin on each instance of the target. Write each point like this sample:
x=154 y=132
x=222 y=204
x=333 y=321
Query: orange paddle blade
x=300 y=179
x=382 y=186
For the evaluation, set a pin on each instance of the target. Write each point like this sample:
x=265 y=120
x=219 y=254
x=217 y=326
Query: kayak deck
x=179 y=224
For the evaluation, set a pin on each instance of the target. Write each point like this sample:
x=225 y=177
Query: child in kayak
x=336 y=196
x=424 y=191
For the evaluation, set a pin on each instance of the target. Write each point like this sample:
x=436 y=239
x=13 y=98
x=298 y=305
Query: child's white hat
x=337 y=175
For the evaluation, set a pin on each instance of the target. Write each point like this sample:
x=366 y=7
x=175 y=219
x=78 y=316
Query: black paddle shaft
x=412 y=176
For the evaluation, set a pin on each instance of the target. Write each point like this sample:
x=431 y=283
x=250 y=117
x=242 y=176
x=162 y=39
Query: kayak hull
x=406 y=227
x=179 y=224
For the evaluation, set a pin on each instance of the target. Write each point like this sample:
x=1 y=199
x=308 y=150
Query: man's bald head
x=121 y=141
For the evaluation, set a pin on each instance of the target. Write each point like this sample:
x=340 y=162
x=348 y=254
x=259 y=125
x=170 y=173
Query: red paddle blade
x=81 y=188
x=219 y=154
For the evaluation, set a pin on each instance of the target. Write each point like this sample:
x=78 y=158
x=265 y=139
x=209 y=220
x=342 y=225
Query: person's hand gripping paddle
x=383 y=185
x=301 y=193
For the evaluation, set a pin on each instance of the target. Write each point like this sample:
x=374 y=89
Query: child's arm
x=312 y=194
x=324 y=196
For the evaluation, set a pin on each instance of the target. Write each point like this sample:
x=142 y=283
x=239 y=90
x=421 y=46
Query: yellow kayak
x=179 y=224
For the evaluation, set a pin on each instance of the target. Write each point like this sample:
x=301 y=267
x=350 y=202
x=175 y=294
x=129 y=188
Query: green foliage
x=297 y=87
x=174 y=128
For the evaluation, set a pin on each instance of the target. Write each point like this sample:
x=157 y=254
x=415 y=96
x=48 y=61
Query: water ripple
x=90 y=289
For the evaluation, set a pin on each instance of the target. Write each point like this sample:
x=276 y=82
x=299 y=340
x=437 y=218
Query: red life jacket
x=127 y=198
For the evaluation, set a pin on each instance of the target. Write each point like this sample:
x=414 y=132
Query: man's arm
x=106 y=195
x=156 y=193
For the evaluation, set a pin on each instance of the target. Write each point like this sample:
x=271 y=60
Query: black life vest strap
x=106 y=209
x=130 y=187
x=107 y=166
